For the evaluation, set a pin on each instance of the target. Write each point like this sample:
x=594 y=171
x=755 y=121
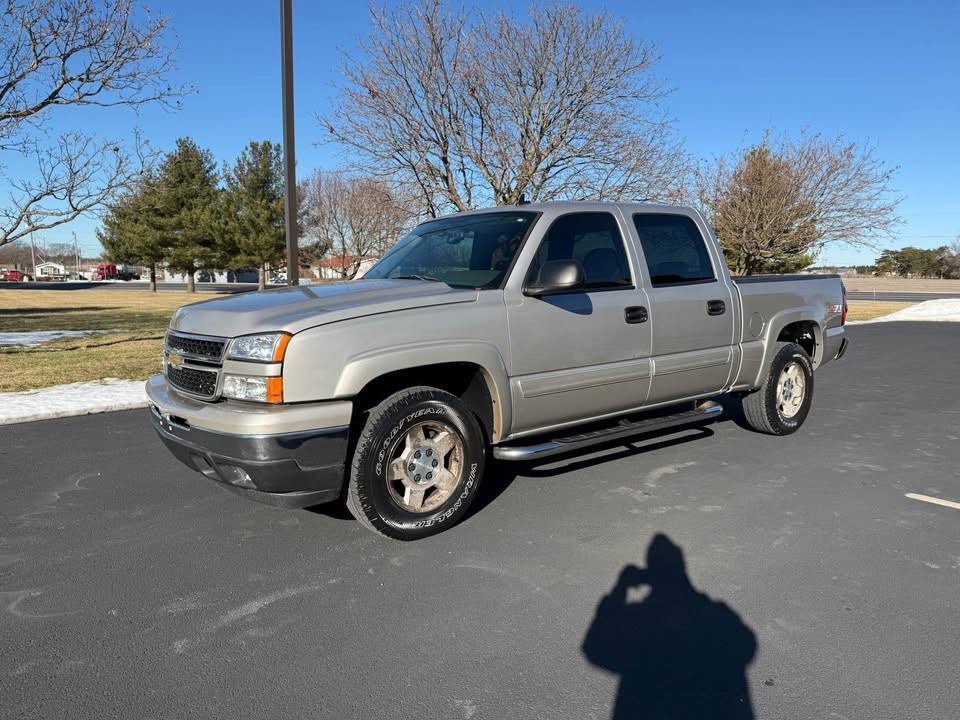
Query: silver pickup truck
x=517 y=332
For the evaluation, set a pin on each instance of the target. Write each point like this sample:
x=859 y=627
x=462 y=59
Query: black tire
x=761 y=408
x=373 y=498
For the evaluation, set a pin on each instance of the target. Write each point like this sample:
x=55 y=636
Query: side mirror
x=556 y=277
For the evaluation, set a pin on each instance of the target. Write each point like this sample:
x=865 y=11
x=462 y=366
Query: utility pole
x=33 y=256
x=76 y=252
x=289 y=162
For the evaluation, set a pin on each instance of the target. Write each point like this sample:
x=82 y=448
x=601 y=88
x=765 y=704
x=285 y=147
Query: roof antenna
x=523 y=199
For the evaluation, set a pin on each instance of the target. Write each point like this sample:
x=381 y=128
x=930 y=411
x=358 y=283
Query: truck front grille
x=192 y=363
x=204 y=348
x=202 y=383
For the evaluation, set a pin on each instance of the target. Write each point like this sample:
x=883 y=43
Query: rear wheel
x=782 y=403
x=417 y=464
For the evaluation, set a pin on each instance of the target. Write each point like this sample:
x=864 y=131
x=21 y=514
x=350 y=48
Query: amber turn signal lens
x=281 y=347
x=274 y=390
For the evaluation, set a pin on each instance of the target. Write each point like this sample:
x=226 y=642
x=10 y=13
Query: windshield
x=474 y=251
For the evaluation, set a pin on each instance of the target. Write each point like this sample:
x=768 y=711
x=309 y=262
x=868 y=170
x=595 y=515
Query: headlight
x=260 y=348
x=253 y=387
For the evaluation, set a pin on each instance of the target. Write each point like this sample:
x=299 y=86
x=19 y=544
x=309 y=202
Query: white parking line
x=934 y=501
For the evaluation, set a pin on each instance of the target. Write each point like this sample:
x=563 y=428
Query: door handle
x=716 y=307
x=635 y=314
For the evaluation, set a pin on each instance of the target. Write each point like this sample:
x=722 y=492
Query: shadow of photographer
x=679 y=654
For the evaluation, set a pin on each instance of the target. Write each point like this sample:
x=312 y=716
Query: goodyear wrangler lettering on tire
x=425 y=411
x=417 y=464
x=468 y=486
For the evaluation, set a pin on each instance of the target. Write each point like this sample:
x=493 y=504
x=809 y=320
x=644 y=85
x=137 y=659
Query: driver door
x=583 y=354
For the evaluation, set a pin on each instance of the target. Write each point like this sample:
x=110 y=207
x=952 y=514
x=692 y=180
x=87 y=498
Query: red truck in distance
x=109 y=271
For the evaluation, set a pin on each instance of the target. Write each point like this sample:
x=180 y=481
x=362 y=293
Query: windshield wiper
x=415 y=277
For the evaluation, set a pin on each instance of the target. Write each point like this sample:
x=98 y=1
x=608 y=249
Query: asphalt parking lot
x=774 y=577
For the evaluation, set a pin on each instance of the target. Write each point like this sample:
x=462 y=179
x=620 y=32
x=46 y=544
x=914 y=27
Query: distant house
x=51 y=271
x=332 y=268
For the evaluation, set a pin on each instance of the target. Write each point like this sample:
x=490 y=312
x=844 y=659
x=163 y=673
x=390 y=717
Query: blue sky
x=883 y=72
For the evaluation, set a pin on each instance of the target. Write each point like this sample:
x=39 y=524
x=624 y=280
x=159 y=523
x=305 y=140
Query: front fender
x=363 y=368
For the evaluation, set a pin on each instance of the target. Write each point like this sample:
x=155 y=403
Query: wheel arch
x=805 y=333
x=474 y=372
x=799 y=325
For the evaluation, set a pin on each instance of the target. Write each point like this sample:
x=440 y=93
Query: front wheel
x=782 y=403
x=417 y=464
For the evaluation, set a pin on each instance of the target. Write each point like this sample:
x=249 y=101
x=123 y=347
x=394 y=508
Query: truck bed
x=765 y=297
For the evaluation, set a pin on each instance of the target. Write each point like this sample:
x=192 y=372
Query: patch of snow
x=38 y=337
x=947 y=310
x=82 y=398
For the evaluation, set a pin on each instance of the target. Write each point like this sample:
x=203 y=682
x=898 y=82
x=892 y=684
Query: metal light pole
x=33 y=256
x=289 y=162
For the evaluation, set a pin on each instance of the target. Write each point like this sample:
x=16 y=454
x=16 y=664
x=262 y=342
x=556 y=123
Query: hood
x=297 y=308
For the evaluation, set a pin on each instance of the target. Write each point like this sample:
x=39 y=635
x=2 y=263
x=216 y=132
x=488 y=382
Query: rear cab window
x=592 y=238
x=674 y=249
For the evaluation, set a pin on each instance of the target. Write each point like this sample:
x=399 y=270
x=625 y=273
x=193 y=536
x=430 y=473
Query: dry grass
x=131 y=360
x=888 y=284
x=85 y=309
x=133 y=351
x=869 y=309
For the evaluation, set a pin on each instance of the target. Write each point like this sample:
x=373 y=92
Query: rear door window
x=675 y=250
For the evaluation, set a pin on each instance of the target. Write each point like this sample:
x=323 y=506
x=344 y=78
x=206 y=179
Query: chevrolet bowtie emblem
x=174 y=360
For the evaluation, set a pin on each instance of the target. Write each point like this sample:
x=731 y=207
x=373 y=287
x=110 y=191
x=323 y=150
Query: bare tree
x=62 y=253
x=16 y=255
x=350 y=219
x=950 y=260
x=469 y=108
x=313 y=241
x=775 y=205
x=77 y=53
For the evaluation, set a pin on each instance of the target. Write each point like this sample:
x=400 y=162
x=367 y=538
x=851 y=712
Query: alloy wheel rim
x=791 y=390
x=426 y=468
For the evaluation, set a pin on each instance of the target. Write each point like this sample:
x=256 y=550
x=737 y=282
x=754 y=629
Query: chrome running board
x=624 y=428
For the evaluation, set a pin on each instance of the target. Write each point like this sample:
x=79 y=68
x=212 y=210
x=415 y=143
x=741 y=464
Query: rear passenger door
x=691 y=308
